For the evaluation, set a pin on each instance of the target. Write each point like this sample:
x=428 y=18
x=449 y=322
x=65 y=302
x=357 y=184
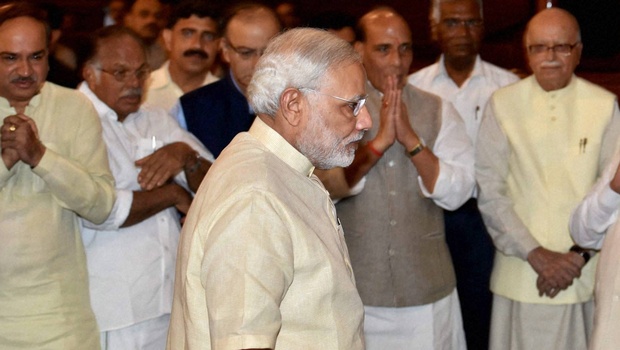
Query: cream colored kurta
x=163 y=92
x=538 y=155
x=44 y=301
x=262 y=261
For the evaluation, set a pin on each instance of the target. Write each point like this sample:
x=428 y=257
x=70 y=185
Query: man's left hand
x=20 y=141
x=163 y=164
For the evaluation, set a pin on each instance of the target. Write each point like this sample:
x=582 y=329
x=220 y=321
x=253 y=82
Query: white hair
x=435 y=13
x=298 y=58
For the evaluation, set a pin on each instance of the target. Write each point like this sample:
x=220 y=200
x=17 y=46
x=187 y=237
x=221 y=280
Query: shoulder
x=498 y=74
x=64 y=98
x=414 y=93
x=585 y=86
x=424 y=75
x=209 y=91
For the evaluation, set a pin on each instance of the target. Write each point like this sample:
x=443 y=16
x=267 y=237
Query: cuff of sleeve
x=47 y=164
x=122 y=206
x=609 y=200
x=527 y=245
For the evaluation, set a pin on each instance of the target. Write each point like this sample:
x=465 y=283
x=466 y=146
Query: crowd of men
x=218 y=182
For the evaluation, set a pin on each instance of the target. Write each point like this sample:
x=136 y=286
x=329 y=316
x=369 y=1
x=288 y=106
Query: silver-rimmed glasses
x=356 y=105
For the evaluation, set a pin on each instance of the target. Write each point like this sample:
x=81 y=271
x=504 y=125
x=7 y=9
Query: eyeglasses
x=355 y=105
x=244 y=52
x=562 y=49
x=453 y=23
x=122 y=75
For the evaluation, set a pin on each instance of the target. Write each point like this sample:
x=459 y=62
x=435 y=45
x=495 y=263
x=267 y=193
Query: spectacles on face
x=356 y=105
x=123 y=75
x=245 y=53
x=453 y=23
x=560 y=49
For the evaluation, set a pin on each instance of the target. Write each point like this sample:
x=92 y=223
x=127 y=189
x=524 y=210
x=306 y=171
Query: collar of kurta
x=34 y=101
x=280 y=147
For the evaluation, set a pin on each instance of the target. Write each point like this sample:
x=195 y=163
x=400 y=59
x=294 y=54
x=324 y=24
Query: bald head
x=553 y=20
x=248 y=30
x=385 y=46
x=553 y=43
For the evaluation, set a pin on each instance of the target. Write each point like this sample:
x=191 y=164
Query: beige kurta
x=44 y=301
x=262 y=260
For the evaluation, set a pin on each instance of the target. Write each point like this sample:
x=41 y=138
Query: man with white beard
x=262 y=259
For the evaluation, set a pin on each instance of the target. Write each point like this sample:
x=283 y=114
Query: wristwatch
x=582 y=252
x=417 y=149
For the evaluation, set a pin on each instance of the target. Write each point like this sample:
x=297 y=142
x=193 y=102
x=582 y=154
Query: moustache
x=133 y=92
x=28 y=79
x=195 y=52
x=358 y=137
x=550 y=64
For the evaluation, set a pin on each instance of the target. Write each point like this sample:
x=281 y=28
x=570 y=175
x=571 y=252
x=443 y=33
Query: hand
x=183 y=199
x=615 y=182
x=388 y=114
x=556 y=271
x=20 y=141
x=163 y=164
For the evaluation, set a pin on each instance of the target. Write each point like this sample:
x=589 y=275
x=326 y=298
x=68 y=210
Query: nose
x=24 y=68
x=549 y=54
x=364 y=121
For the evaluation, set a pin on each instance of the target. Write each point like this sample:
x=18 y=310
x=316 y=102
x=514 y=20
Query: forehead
x=249 y=30
x=552 y=29
x=387 y=29
x=146 y=5
x=122 y=50
x=195 y=22
x=346 y=79
x=462 y=8
x=22 y=33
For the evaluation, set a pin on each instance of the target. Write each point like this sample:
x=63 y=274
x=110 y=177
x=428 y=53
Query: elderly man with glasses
x=262 y=260
x=217 y=112
x=542 y=143
x=156 y=164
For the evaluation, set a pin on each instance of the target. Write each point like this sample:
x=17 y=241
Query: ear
x=225 y=51
x=167 y=35
x=88 y=74
x=359 y=48
x=293 y=106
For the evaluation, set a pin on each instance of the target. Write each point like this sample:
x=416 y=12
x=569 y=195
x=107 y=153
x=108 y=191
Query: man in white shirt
x=464 y=79
x=192 y=39
x=155 y=164
x=594 y=225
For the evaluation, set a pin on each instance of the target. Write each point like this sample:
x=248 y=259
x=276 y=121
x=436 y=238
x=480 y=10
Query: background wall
x=504 y=23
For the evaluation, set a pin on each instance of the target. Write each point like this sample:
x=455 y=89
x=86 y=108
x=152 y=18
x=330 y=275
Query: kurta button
x=391 y=163
x=553 y=118
x=393 y=222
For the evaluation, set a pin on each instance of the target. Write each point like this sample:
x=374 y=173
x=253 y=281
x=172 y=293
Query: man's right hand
x=556 y=271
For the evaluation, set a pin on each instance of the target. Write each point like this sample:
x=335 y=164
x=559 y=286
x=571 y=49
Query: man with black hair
x=192 y=40
x=54 y=168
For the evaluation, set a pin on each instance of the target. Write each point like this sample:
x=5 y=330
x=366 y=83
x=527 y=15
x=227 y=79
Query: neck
x=459 y=69
x=186 y=81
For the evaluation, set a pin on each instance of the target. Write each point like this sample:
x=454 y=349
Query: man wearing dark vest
x=417 y=159
x=217 y=112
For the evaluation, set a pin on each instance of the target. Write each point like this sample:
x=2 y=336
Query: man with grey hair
x=464 y=79
x=262 y=259
x=155 y=163
x=543 y=142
